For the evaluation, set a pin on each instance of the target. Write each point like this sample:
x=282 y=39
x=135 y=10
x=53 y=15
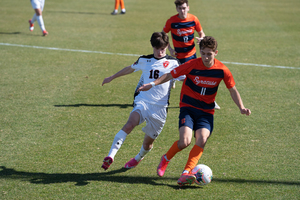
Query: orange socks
x=118 y=2
x=194 y=157
x=122 y=4
x=172 y=151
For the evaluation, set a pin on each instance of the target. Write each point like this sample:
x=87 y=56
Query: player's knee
x=183 y=144
x=128 y=127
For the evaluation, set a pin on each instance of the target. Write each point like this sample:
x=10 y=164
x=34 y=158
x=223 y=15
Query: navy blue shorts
x=184 y=60
x=195 y=119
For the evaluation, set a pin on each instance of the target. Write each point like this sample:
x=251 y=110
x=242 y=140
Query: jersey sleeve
x=228 y=79
x=198 y=26
x=167 y=26
x=137 y=65
x=180 y=78
x=182 y=69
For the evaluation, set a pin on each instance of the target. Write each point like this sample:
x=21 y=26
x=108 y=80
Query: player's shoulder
x=191 y=17
x=172 y=59
x=147 y=56
x=173 y=18
x=221 y=65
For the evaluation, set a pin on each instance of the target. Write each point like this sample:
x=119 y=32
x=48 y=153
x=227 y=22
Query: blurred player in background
x=150 y=106
x=117 y=3
x=183 y=26
x=203 y=76
x=38 y=6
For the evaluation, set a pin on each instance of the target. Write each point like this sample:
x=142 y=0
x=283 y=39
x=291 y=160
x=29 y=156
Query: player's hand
x=145 y=87
x=246 y=111
x=107 y=80
x=173 y=52
x=198 y=40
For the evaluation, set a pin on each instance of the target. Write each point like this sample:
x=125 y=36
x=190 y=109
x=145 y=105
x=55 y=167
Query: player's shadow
x=77 y=12
x=96 y=105
x=240 y=180
x=101 y=105
x=111 y=176
x=10 y=33
x=23 y=33
x=81 y=179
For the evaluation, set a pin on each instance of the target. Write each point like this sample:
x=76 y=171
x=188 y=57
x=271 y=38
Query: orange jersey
x=182 y=31
x=200 y=87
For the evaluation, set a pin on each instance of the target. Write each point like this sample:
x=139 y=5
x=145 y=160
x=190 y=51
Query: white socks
x=141 y=154
x=41 y=22
x=117 y=143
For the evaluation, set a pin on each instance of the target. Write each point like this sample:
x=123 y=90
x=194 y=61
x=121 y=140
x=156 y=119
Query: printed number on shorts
x=154 y=74
x=183 y=121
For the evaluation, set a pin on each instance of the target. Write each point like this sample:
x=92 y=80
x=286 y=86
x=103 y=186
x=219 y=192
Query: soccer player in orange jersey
x=183 y=26
x=199 y=89
x=117 y=3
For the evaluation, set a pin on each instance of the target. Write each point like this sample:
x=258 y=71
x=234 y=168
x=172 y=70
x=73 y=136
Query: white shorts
x=155 y=117
x=37 y=4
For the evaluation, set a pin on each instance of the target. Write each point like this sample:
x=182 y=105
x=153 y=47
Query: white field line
x=124 y=54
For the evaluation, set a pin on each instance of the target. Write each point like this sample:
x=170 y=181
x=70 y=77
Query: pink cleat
x=186 y=179
x=162 y=166
x=132 y=163
x=31 y=25
x=107 y=162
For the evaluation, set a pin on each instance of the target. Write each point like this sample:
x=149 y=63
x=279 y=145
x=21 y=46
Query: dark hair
x=159 y=40
x=208 y=42
x=180 y=2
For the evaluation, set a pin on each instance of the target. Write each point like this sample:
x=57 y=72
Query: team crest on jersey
x=166 y=64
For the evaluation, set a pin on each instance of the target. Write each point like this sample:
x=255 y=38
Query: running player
x=117 y=3
x=203 y=76
x=38 y=6
x=149 y=106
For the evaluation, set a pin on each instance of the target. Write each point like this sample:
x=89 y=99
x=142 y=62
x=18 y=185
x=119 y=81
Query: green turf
x=57 y=122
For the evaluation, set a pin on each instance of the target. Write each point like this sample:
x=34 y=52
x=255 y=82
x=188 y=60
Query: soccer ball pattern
x=203 y=174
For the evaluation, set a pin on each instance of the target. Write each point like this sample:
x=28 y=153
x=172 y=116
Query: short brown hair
x=180 y=2
x=159 y=40
x=208 y=42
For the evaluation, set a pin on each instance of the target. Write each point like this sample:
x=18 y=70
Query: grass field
x=57 y=122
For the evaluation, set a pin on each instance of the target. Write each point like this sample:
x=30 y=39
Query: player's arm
x=122 y=72
x=201 y=36
x=171 y=50
x=236 y=97
x=164 y=78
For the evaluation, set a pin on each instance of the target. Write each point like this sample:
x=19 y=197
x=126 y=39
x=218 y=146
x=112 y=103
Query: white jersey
x=152 y=69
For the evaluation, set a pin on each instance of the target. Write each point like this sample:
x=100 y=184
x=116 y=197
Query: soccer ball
x=203 y=174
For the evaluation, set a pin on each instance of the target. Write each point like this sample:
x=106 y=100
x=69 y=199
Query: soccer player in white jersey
x=150 y=106
x=38 y=6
